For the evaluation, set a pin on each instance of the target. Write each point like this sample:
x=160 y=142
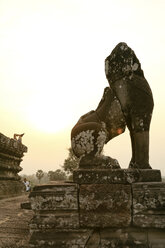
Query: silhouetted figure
x=18 y=137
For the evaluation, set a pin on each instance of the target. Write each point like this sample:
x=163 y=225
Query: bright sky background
x=52 y=56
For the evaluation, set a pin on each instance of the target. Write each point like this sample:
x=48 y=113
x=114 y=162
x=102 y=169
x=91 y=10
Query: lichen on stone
x=83 y=142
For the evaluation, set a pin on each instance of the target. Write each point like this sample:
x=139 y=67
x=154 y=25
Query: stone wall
x=111 y=211
x=11 y=153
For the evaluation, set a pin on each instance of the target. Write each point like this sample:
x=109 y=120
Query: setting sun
x=48 y=112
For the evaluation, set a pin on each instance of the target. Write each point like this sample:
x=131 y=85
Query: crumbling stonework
x=55 y=206
x=103 y=205
x=103 y=215
x=149 y=204
x=11 y=153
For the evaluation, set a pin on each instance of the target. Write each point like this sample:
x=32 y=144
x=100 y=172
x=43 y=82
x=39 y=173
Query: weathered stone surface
x=54 y=196
x=102 y=205
x=11 y=147
x=123 y=176
x=60 y=239
x=132 y=238
x=99 y=162
x=126 y=78
x=156 y=238
x=11 y=153
x=105 y=209
x=96 y=128
x=149 y=204
x=120 y=238
x=94 y=240
x=10 y=188
x=55 y=220
x=26 y=205
x=55 y=206
x=9 y=175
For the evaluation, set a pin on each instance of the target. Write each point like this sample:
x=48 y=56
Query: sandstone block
x=102 y=205
x=55 y=220
x=55 y=206
x=54 y=196
x=60 y=239
x=149 y=204
x=156 y=238
x=131 y=238
x=123 y=176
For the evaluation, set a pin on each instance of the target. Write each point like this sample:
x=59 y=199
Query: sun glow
x=39 y=66
x=48 y=113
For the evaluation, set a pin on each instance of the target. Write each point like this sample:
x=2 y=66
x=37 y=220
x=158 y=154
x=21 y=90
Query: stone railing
x=101 y=208
x=11 y=153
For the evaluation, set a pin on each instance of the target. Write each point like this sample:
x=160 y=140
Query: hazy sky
x=52 y=71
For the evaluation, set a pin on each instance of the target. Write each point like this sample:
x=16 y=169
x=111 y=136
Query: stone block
x=60 y=239
x=55 y=220
x=94 y=240
x=124 y=238
x=55 y=196
x=105 y=205
x=25 y=205
x=118 y=176
x=55 y=206
x=149 y=205
x=156 y=238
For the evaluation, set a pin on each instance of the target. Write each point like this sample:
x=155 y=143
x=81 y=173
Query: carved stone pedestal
x=56 y=219
x=113 y=212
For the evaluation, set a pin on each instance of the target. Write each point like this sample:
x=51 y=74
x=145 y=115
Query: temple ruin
x=11 y=153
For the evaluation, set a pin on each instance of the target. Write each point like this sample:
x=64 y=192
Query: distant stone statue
x=126 y=78
x=96 y=128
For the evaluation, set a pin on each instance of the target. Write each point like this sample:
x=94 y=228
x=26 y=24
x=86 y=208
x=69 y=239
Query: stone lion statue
x=96 y=128
x=126 y=78
x=127 y=102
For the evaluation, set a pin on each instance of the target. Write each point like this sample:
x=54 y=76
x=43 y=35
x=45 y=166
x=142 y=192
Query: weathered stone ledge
x=99 y=238
x=11 y=146
x=10 y=177
x=10 y=167
x=118 y=176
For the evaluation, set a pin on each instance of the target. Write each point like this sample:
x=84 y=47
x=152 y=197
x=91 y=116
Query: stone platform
x=104 y=214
